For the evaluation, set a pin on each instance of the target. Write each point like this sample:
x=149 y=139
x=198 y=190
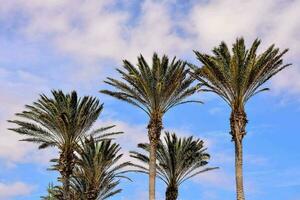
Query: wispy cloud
x=94 y=31
x=8 y=191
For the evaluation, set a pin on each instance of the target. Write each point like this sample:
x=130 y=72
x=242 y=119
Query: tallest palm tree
x=155 y=90
x=236 y=77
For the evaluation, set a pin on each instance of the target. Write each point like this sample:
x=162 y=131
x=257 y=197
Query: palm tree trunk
x=92 y=194
x=238 y=121
x=66 y=188
x=171 y=193
x=152 y=169
x=154 y=129
x=239 y=170
x=66 y=164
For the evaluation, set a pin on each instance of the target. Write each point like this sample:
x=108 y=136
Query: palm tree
x=155 y=90
x=54 y=193
x=60 y=122
x=98 y=170
x=178 y=159
x=236 y=77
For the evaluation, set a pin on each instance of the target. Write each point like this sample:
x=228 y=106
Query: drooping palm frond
x=98 y=169
x=57 y=121
x=178 y=159
x=156 y=88
x=238 y=75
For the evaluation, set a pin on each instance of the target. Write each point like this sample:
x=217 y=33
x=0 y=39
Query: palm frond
x=238 y=75
x=98 y=170
x=154 y=89
x=178 y=159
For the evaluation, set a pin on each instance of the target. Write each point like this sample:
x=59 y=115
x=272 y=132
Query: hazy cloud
x=10 y=190
x=94 y=31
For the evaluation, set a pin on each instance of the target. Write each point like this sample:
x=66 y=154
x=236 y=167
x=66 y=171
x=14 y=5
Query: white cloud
x=12 y=151
x=83 y=29
x=93 y=31
x=13 y=98
x=155 y=32
x=224 y=20
x=272 y=21
x=11 y=190
x=288 y=81
x=217 y=20
x=90 y=31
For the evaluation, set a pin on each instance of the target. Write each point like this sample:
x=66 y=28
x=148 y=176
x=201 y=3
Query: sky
x=75 y=44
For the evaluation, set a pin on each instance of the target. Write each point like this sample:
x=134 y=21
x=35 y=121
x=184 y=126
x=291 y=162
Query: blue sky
x=74 y=45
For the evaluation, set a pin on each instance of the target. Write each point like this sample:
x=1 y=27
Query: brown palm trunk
x=154 y=129
x=171 y=193
x=66 y=188
x=238 y=123
x=239 y=170
x=92 y=194
x=66 y=164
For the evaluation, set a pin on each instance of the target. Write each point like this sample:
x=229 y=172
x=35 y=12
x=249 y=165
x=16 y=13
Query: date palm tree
x=154 y=89
x=178 y=159
x=60 y=121
x=236 y=77
x=98 y=170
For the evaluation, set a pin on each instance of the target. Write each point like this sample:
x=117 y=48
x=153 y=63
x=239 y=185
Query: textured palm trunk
x=172 y=193
x=238 y=123
x=239 y=170
x=92 y=194
x=154 y=129
x=66 y=164
x=66 y=187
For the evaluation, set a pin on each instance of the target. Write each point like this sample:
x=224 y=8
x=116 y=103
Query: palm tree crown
x=58 y=121
x=178 y=159
x=98 y=170
x=153 y=89
x=239 y=76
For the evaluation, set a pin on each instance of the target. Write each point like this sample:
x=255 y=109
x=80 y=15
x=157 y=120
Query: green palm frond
x=98 y=170
x=57 y=121
x=178 y=159
x=238 y=75
x=60 y=120
x=156 y=88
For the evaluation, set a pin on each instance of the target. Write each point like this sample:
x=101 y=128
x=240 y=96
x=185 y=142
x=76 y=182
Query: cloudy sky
x=75 y=44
